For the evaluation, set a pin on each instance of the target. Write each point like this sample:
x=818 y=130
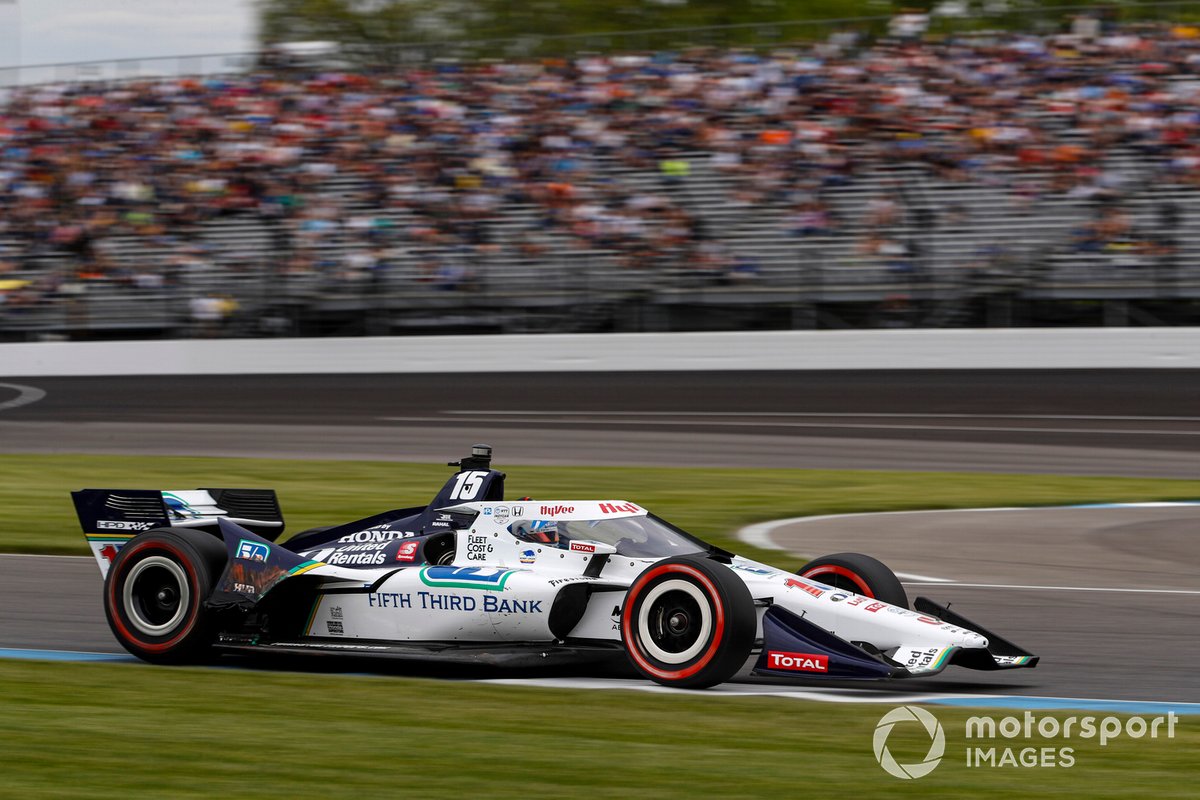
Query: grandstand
x=899 y=241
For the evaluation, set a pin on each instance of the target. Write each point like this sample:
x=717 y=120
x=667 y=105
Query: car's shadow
x=616 y=668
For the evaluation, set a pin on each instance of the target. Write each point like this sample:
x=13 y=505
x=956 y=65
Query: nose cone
x=965 y=638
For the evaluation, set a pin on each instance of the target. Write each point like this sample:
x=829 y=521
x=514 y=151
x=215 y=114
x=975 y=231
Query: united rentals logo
x=932 y=727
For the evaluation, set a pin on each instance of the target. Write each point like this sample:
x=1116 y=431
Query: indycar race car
x=473 y=578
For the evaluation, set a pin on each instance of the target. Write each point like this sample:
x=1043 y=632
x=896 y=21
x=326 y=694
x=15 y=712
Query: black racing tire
x=857 y=573
x=688 y=622
x=155 y=594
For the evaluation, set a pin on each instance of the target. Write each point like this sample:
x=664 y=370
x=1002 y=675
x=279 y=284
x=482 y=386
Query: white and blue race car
x=474 y=578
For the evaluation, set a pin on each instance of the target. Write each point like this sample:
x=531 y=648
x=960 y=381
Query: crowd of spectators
x=436 y=152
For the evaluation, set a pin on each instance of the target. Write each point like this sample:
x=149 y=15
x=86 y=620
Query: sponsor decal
x=375 y=535
x=446 y=602
x=389 y=600
x=875 y=607
x=797 y=662
x=334 y=627
x=561 y=581
x=580 y=547
x=752 y=570
x=518 y=511
x=501 y=605
x=178 y=506
x=550 y=511
x=110 y=550
x=838 y=597
x=618 y=508
x=253 y=551
x=500 y=514
x=857 y=600
x=528 y=556
x=436 y=601
x=487 y=511
x=407 y=551
x=490 y=579
x=795 y=584
x=115 y=525
x=479 y=548
x=335 y=612
x=926 y=660
x=929 y=620
x=244 y=588
x=1015 y=660
x=343 y=558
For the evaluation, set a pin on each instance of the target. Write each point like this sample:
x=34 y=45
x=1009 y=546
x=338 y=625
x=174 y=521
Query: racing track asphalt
x=1127 y=645
x=1133 y=422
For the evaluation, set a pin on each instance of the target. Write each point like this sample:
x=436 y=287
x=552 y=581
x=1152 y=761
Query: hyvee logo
x=550 y=511
x=929 y=722
x=618 y=508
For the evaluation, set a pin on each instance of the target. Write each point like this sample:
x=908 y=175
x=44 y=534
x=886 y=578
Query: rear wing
x=111 y=517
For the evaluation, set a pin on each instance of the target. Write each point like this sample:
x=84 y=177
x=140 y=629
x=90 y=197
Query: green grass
x=114 y=731
x=36 y=515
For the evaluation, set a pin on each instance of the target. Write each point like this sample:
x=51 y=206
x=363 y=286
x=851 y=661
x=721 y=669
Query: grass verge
x=117 y=731
x=36 y=515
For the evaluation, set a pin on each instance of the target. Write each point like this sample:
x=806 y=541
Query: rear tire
x=155 y=594
x=688 y=622
x=857 y=573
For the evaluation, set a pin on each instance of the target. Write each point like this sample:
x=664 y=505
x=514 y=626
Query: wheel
x=859 y=574
x=155 y=592
x=688 y=622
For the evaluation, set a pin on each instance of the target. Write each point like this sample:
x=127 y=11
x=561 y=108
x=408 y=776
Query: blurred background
x=372 y=167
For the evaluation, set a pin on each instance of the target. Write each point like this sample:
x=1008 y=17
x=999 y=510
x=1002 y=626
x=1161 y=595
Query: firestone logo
x=550 y=511
x=933 y=757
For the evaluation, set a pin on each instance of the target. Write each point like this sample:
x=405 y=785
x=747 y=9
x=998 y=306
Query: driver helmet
x=542 y=531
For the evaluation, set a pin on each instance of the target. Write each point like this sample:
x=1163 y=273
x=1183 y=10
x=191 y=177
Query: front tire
x=688 y=622
x=857 y=573
x=155 y=593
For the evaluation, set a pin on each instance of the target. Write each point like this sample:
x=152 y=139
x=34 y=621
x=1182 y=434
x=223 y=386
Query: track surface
x=1138 y=423
x=1094 y=644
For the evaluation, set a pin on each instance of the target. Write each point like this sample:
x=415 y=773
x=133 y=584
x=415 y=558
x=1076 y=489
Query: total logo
x=580 y=547
x=550 y=511
x=797 y=662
